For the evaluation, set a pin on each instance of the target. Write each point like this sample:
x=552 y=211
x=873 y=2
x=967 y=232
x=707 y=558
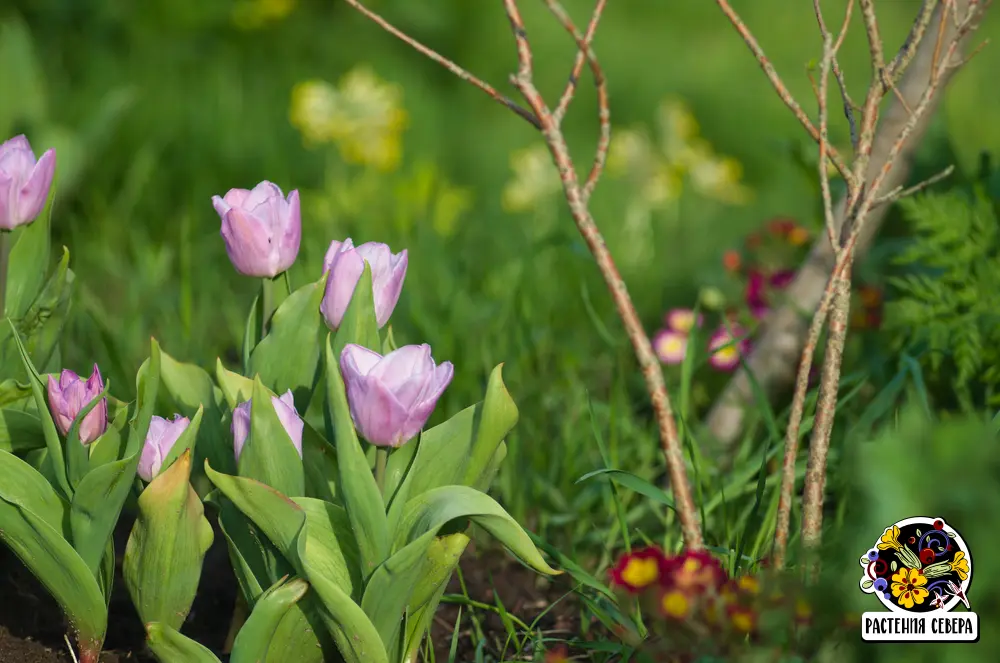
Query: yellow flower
x=908 y=587
x=363 y=116
x=641 y=572
x=629 y=150
x=798 y=236
x=253 y=14
x=535 y=179
x=890 y=539
x=742 y=619
x=675 y=604
x=749 y=584
x=678 y=128
x=960 y=565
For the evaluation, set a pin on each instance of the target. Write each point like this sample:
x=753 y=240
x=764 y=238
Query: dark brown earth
x=32 y=627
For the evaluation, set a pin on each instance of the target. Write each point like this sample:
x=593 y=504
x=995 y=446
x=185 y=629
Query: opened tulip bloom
x=284 y=407
x=70 y=395
x=345 y=263
x=24 y=182
x=392 y=397
x=160 y=439
x=262 y=229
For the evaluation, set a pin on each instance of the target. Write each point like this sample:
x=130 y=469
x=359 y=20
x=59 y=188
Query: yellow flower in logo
x=908 y=587
x=890 y=539
x=960 y=565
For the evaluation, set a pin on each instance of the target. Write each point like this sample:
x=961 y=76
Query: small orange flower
x=798 y=236
x=731 y=260
x=742 y=619
x=639 y=570
x=675 y=604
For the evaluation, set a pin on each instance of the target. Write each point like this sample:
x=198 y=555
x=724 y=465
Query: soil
x=32 y=628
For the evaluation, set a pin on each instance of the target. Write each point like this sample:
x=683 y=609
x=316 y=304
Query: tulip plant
x=344 y=518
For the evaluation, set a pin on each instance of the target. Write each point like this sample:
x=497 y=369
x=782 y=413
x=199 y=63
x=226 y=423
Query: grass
x=161 y=105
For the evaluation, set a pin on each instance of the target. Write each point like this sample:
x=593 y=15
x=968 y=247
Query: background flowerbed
x=384 y=146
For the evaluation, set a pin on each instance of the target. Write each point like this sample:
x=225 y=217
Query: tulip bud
x=345 y=263
x=284 y=407
x=392 y=397
x=70 y=395
x=261 y=228
x=160 y=440
x=24 y=182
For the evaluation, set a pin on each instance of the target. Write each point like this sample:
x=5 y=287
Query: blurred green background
x=156 y=106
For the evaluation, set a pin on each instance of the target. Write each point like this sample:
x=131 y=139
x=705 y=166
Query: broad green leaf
x=167 y=546
x=389 y=589
x=442 y=558
x=32 y=522
x=499 y=415
x=319 y=460
x=486 y=479
x=251 y=331
x=110 y=446
x=329 y=545
x=52 y=443
x=20 y=431
x=281 y=521
x=171 y=647
x=13 y=394
x=432 y=510
x=288 y=357
x=41 y=325
x=235 y=388
x=147 y=387
x=29 y=262
x=188 y=385
x=269 y=456
x=244 y=554
x=359 y=325
x=396 y=468
x=255 y=637
x=359 y=492
x=96 y=506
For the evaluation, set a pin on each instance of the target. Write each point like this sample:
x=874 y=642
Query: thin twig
x=899 y=192
x=463 y=74
x=604 y=112
x=779 y=86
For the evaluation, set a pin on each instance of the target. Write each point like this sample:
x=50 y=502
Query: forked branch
x=548 y=121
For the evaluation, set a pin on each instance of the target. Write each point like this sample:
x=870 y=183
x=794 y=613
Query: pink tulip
x=24 y=182
x=284 y=407
x=70 y=395
x=160 y=439
x=345 y=263
x=392 y=397
x=262 y=229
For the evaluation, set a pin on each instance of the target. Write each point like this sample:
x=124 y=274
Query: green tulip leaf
x=281 y=520
x=255 y=637
x=110 y=446
x=269 y=456
x=20 y=431
x=147 y=386
x=432 y=510
x=329 y=545
x=359 y=492
x=96 y=506
x=288 y=357
x=52 y=443
x=41 y=324
x=235 y=388
x=12 y=392
x=442 y=559
x=32 y=524
x=31 y=246
x=389 y=344
x=246 y=558
x=170 y=646
x=252 y=331
x=167 y=546
x=459 y=451
x=359 y=325
x=319 y=461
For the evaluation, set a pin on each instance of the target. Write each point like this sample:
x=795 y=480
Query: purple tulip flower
x=345 y=263
x=261 y=228
x=70 y=395
x=160 y=439
x=284 y=407
x=24 y=182
x=392 y=397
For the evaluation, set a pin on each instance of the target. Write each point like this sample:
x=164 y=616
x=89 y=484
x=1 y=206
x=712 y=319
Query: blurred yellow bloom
x=363 y=116
x=451 y=203
x=535 y=179
x=253 y=14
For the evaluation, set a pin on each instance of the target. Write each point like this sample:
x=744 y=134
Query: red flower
x=694 y=571
x=782 y=279
x=755 y=296
x=781 y=226
x=639 y=570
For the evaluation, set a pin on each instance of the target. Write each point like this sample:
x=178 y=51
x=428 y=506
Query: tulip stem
x=4 y=263
x=267 y=302
x=381 y=459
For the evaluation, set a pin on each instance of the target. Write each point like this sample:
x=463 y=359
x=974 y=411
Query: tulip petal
x=284 y=407
x=345 y=272
x=35 y=192
x=240 y=427
x=16 y=143
x=358 y=360
x=379 y=417
x=247 y=244
x=335 y=248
